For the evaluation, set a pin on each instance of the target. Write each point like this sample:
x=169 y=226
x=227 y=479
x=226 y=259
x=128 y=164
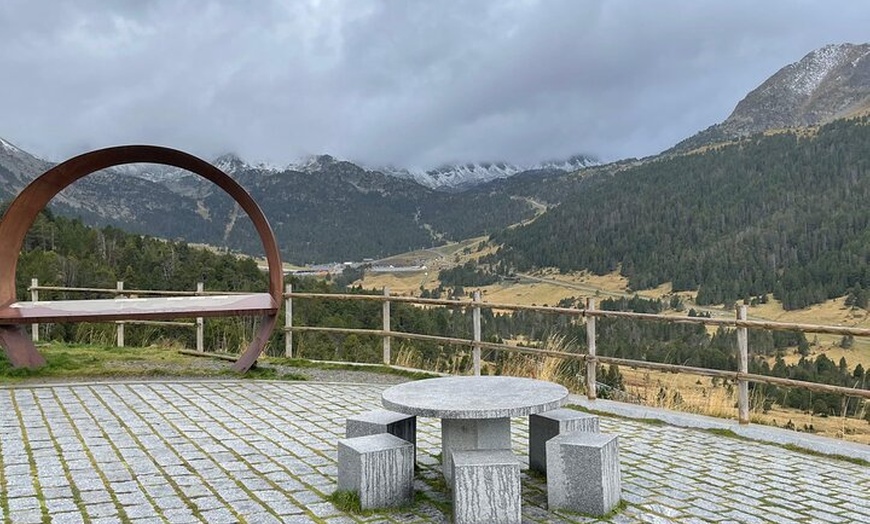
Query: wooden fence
x=590 y=314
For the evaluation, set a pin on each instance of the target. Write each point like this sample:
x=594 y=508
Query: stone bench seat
x=583 y=472
x=379 y=468
x=382 y=421
x=152 y=308
x=486 y=487
x=544 y=426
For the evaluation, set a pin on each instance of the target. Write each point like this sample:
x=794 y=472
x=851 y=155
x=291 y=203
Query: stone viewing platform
x=263 y=451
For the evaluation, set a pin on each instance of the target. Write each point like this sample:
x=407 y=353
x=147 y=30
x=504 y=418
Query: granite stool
x=544 y=426
x=583 y=472
x=380 y=468
x=382 y=421
x=486 y=487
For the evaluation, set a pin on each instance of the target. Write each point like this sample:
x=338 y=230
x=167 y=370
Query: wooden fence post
x=475 y=318
x=120 y=287
x=591 y=391
x=200 y=323
x=387 y=338
x=34 y=296
x=288 y=322
x=742 y=369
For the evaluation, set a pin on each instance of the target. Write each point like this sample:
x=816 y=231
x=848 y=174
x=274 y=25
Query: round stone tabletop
x=474 y=397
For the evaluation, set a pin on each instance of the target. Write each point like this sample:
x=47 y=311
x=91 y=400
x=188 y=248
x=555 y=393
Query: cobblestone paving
x=244 y=451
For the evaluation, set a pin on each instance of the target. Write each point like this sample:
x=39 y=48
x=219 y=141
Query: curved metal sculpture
x=22 y=212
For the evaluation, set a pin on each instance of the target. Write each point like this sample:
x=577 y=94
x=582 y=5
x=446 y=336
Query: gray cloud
x=413 y=83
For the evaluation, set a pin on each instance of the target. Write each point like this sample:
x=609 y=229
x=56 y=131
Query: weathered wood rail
x=590 y=314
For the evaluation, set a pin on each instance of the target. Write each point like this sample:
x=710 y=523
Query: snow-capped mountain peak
x=10 y=148
x=313 y=163
x=809 y=73
x=471 y=174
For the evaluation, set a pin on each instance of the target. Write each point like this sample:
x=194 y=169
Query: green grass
x=77 y=361
x=80 y=361
x=348 y=502
x=853 y=460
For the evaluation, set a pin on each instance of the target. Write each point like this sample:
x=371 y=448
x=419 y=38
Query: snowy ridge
x=312 y=163
x=809 y=73
x=471 y=174
x=9 y=147
x=826 y=84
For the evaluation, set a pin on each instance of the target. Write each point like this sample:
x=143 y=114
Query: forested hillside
x=786 y=213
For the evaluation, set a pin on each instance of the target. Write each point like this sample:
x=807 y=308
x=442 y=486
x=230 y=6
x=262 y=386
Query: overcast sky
x=407 y=83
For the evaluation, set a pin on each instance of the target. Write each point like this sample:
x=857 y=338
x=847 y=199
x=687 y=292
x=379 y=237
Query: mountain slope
x=826 y=84
x=781 y=214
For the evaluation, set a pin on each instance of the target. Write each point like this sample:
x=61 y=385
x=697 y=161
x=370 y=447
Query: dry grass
x=526 y=294
x=543 y=367
x=703 y=396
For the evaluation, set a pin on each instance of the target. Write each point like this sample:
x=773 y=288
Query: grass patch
x=265 y=373
x=78 y=361
x=620 y=506
x=724 y=432
x=349 y=502
x=443 y=506
x=798 y=449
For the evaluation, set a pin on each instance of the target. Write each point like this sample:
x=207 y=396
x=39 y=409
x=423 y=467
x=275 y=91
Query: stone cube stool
x=583 y=472
x=544 y=426
x=380 y=468
x=382 y=421
x=486 y=487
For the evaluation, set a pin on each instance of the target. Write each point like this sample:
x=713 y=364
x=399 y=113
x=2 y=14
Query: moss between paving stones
x=348 y=502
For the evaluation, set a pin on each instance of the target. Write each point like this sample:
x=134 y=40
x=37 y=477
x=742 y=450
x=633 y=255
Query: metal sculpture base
x=19 y=348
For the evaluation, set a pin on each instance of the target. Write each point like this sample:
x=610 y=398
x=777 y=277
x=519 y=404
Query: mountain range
x=323 y=209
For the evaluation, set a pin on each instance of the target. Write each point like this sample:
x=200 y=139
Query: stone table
x=474 y=411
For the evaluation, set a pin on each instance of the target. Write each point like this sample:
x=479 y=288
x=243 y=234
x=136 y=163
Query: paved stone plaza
x=249 y=451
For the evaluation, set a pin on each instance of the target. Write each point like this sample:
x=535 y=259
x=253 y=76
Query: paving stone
x=106 y=509
x=22 y=504
x=67 y=518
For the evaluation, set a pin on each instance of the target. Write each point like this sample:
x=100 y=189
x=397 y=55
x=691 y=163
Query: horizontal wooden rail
x=724 y=322
x=167 y=323
x=115 y=291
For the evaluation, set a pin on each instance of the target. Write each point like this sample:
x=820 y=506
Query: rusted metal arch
x=22 y=212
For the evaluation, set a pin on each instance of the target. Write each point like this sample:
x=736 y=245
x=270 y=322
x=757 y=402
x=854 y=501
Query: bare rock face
x=829 y=83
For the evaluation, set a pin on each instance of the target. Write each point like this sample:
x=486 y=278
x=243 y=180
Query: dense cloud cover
x=410 y=83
